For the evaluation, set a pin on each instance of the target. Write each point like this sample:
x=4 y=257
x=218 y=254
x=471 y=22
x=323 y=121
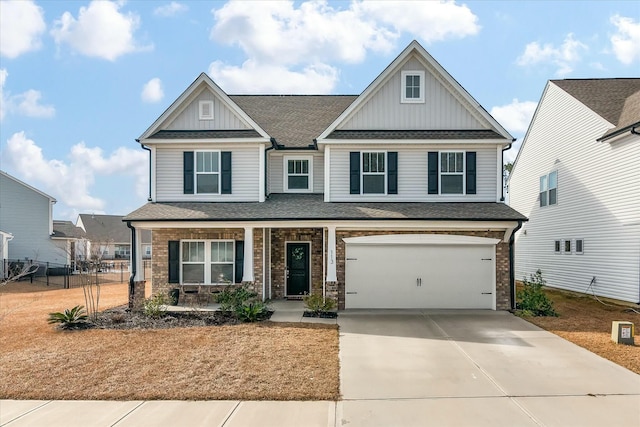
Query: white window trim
x=207 y=261
x=463 y=173
x=559 y=242
x=363 y=173
x=285 y=166
x=576 y=246
x=403 y=98
x=201 y=110
x=195 y=171
x=547 y=190
x=564 y=247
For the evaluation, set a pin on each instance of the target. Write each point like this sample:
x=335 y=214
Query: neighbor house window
x=567 y=246
x=147 y=250
x=579 y=246
x=412 y=86
x=298 y=174
x=208 y=261
x=122 y=251
x=556 y=246
x=205 y=110
x=207 y=172
x=549 y=189
x=452 y=172
x=373 y=173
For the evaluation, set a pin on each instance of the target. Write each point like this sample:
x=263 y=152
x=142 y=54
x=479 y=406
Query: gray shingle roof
x=109 y=228
x=66 y=230
x=287 y=207
x=202 y=134
x=294 y=120
x=416 y=134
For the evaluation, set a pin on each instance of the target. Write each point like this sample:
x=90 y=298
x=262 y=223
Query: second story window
x=207 y=172
x=412 y=87
x=298 y=174
x=549 y=189
x=452 y=172
x=373 y=173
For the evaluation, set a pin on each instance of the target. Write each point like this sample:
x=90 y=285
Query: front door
x=297 y=269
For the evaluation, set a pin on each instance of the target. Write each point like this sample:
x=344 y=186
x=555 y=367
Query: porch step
x=294 y=298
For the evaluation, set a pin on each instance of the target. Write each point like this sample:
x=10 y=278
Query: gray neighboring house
x=26 y=221
x=109 y=237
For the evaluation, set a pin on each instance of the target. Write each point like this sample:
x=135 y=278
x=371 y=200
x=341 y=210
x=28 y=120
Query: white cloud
x=100 y=31
x=626 y=42
x=170 y=9
x=152 y=91
x=70 y=181
x=313 y=79
x=515 y=117
x=564 y=56
x=21 y=26
x=26 y=103
x=282 y=37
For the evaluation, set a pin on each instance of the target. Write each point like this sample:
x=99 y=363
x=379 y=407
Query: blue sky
x=80 y=80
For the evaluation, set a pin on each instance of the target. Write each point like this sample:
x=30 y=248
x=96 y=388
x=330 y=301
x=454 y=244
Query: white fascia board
x=150 y=142
x=421 y=239
x=392 y=142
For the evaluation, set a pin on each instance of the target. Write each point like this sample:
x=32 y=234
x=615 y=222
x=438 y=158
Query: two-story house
x=389 y=199
x=577 y=178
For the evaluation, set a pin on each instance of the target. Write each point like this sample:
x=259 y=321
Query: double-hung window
x=208 y=261
x=549 y=189
x=452 y=172
x=298 y=176
x=412 y=87
x=373 y=172
x=207 y=172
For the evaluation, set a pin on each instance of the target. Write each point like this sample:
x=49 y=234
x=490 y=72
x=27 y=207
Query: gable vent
x=206 y=110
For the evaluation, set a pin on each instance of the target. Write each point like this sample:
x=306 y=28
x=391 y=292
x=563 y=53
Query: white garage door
x=420 y=271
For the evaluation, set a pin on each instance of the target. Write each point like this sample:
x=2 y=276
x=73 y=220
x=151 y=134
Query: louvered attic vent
x=206 y=110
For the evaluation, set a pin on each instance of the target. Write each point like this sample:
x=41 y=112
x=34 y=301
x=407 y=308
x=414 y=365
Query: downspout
x=508 y=147
x=274 y=144
x=512 y=273
x=634 y=131
x=149 y=150
x=134 y=256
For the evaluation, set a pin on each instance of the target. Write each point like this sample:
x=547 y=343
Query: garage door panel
x=420 y=276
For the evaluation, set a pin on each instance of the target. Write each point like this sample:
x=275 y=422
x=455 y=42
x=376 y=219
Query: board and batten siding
x=598 y=201
x=26 y=214
x=412 y=174
x=245 y=179
x=441 y=110
x=275 y=170
x=223 y=117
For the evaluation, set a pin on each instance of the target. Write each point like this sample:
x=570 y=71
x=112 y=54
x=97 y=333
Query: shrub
x=155 y=306
x=317 y=303
x=75 y=318
x=231 y=299
x=251 y=312
x=532 y=301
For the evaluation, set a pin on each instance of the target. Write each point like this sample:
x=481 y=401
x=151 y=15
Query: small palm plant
x=75 y=318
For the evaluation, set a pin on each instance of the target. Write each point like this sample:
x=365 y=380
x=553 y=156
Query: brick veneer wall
x=160 y=259
x=502 y=259
x=278 y=253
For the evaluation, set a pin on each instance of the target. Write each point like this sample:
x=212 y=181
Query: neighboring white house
x=577 y=178
x=387 y=199
x=70 y=239
x=26 y=213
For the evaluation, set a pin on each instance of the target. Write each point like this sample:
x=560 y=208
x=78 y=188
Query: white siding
x=223 y=117
x=441 y=110
x=598 y=201
x=276 y=170
x=412 y=174
x=25 y=213
x=245 y=179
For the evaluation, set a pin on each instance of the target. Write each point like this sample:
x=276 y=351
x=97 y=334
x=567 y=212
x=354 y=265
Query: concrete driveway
x=474 y=368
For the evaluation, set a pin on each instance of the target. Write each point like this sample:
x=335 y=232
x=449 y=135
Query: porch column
x=331 y=255
x=138 y=253
x=248 y=255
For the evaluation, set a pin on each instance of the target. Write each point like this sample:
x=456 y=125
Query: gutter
x=149 y=150
x=274 y=144
x=512 y=274
x=502 y=165
x=134 y=257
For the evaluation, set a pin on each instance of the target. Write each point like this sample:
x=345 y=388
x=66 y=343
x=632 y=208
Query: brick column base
x=136 y=295
x=331 y=291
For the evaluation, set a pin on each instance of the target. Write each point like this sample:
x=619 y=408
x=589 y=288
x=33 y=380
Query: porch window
x=193 y=262
x=222 y=256
x=208 y=261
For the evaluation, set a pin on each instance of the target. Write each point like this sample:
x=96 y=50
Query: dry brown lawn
x=265 y=361
x=586 y=322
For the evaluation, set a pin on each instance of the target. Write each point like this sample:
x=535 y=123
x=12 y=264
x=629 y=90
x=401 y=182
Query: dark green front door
x=297 y=274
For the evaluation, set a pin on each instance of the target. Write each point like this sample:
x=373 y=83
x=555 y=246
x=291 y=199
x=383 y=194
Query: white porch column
x=139 y=262
x=248 y=255
x=331 y=255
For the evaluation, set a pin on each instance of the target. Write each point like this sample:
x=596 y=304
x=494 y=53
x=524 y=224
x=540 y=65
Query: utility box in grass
x=622 y=333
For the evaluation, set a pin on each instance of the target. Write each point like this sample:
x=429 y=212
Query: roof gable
x=24 y=184
x=182 y=114
x=470 y=113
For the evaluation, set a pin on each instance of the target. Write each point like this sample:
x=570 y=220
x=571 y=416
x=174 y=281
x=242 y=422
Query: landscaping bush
x=231 y=299
x=318 y=304
x=251 y=312
x=155 y=306
x=531 y=299
x=75 y=318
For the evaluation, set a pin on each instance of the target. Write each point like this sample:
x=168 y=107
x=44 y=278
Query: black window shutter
x=174 y=261
x=354 y=172
x=239 y=261
x=432 y=168
x=392 y=172
x=225 y=172
x=471 y=172
x=188 y=172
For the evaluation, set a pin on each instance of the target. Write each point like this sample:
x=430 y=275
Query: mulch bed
x=321 y=314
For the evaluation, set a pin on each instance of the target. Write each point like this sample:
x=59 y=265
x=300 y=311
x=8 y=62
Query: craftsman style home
x=577 y=178
x=389 y=199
